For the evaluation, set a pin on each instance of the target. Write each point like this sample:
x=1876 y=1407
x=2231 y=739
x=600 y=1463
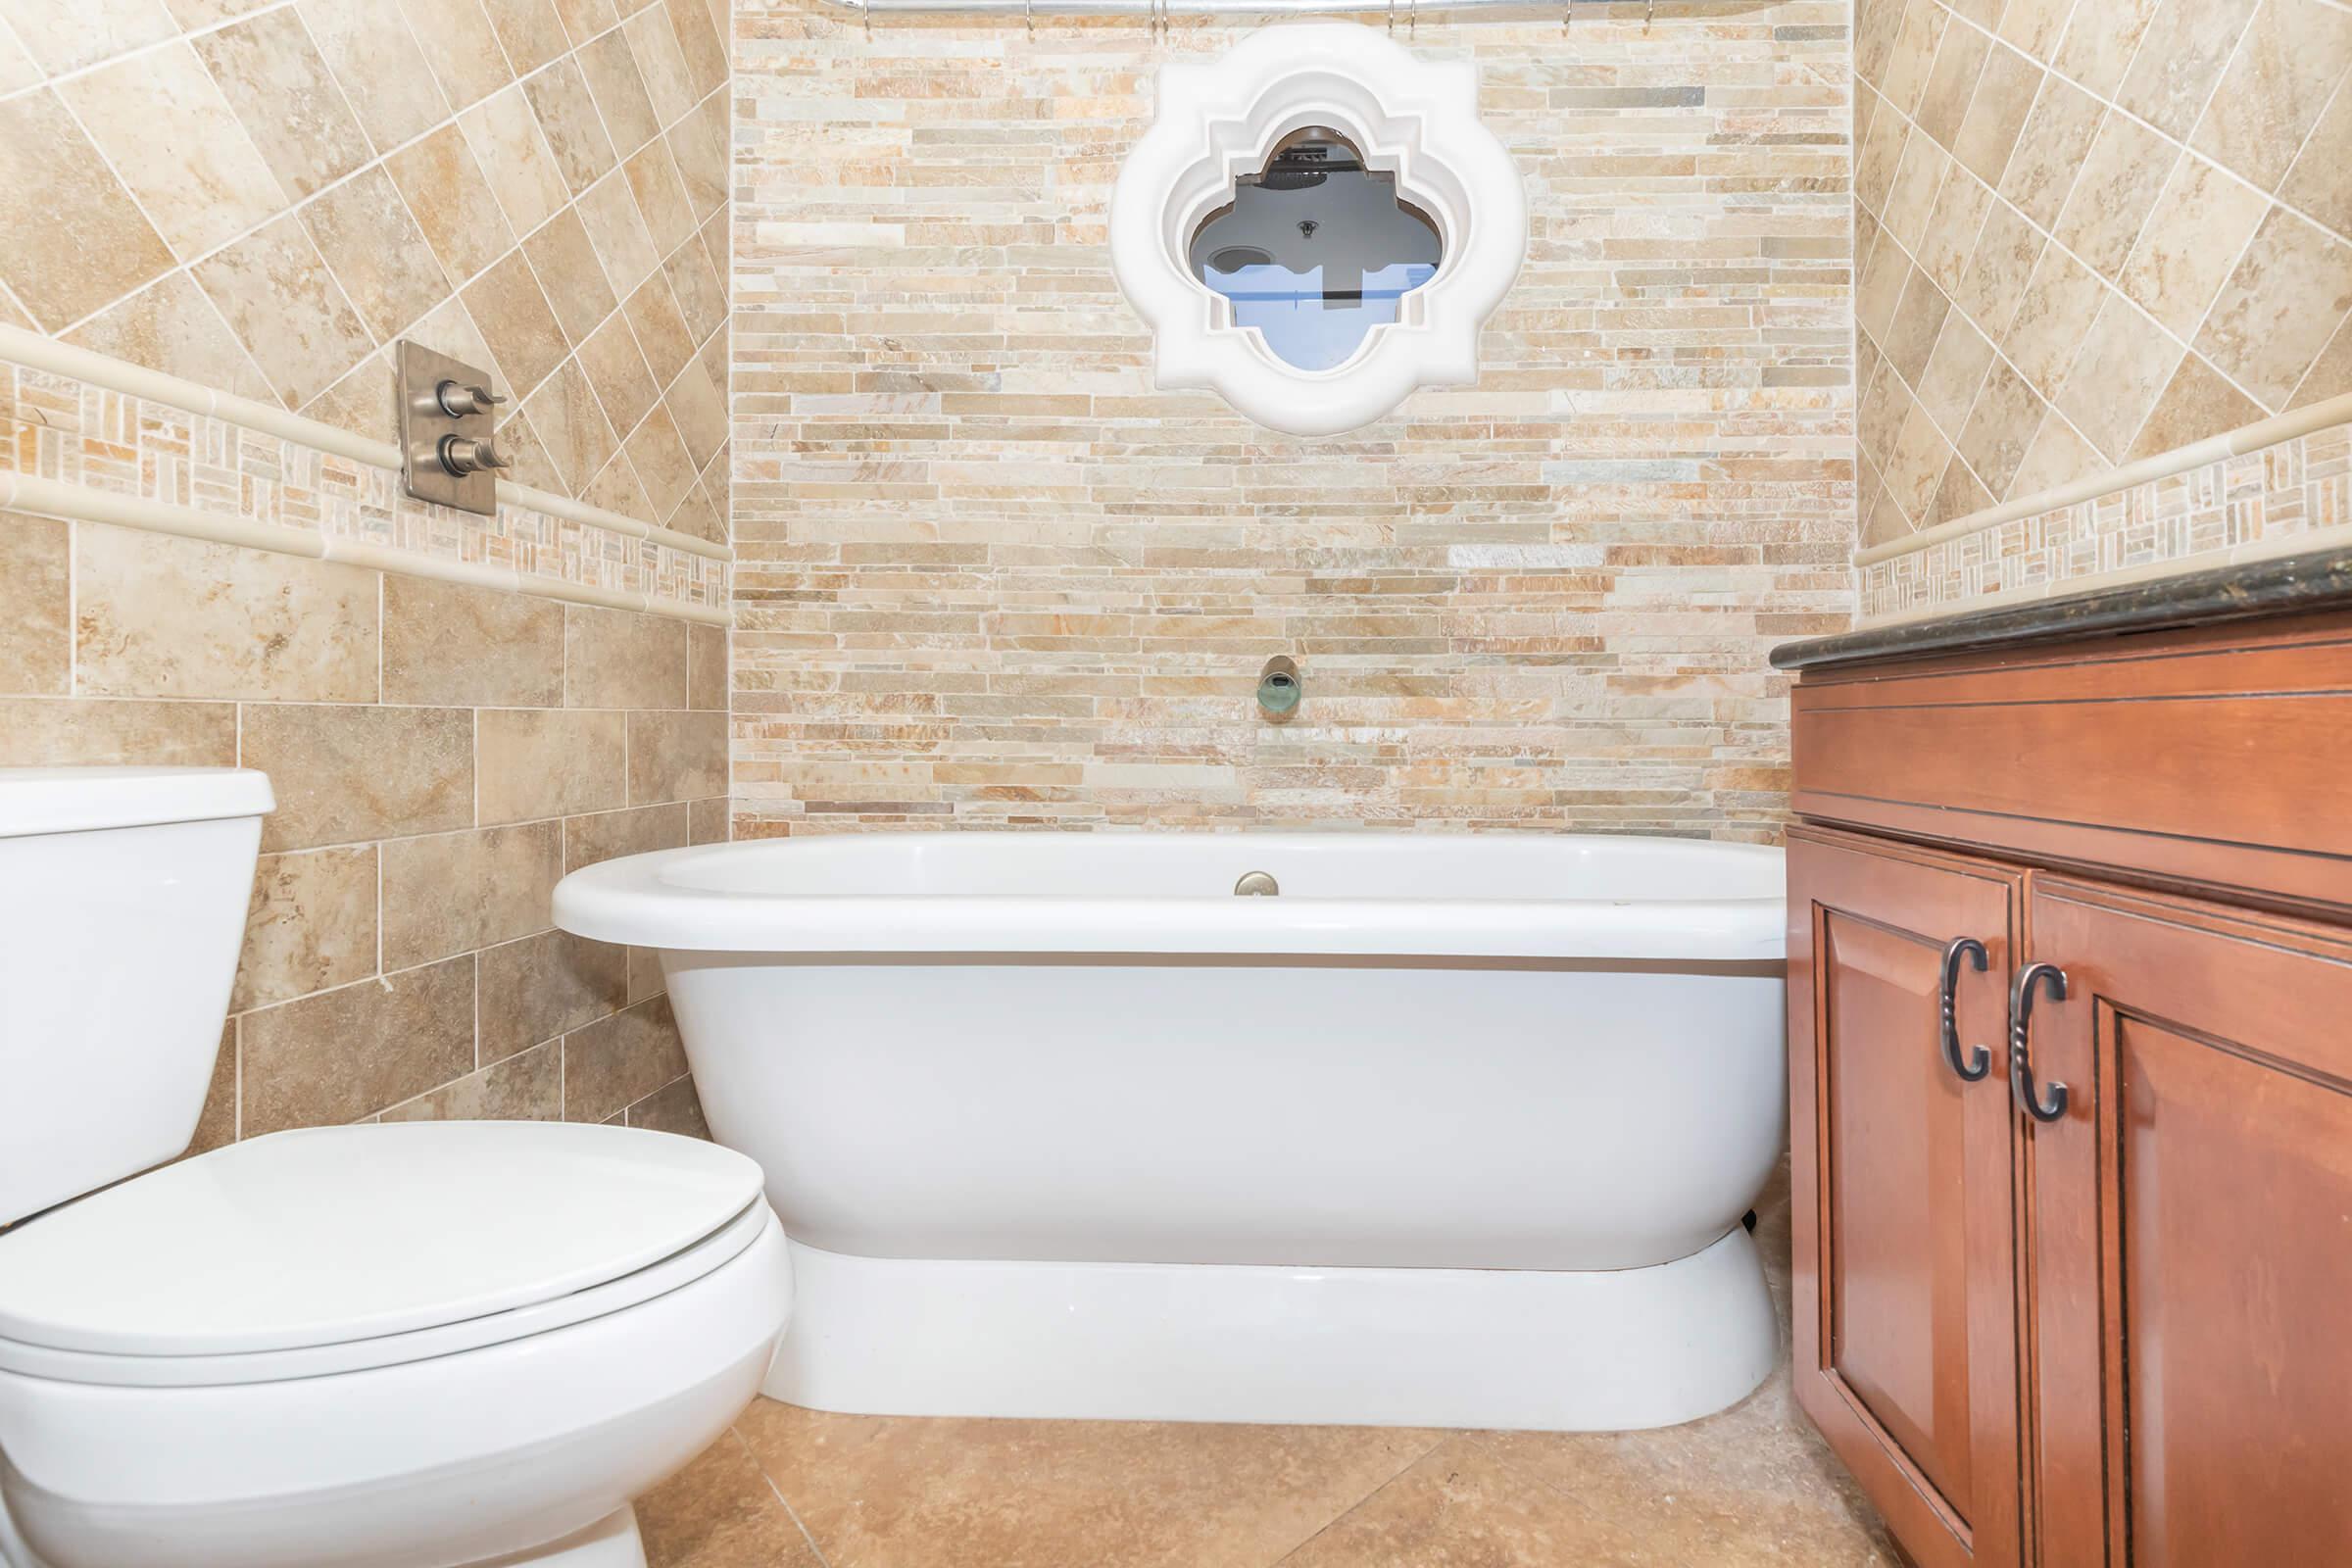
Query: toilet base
x=14 y=1553
x=612 y=1541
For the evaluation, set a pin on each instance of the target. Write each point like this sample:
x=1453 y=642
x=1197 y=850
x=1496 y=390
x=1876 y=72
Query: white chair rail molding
x=1317 y=226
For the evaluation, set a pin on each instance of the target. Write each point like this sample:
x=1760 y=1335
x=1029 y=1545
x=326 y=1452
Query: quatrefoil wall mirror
x=1317 y=226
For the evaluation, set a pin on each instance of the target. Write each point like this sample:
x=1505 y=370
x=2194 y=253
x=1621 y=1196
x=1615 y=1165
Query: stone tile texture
x=333 y=175
x=398 y=957
x=987 y=575
x=2157 y=249
x=1753 y=1487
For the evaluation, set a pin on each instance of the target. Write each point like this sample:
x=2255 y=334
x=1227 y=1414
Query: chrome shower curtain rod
x=1161 y=11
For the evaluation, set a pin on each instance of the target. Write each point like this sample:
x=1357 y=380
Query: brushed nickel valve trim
x=459 y=400
x=448 y=417
x=461 y=455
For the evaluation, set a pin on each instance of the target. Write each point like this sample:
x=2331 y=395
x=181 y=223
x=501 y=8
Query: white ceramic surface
x=405 y=1347
x=331 y=1234
x=123 y=897
x=1517 y=1349
x=1216 y=121
x=455 y=1459
x=1557 y=1056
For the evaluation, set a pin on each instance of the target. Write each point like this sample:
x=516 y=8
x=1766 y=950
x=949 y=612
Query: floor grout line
x=1444 y=1436
x=778 y=1491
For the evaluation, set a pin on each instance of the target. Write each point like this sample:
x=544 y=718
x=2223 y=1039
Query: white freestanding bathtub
x=1450 y=1131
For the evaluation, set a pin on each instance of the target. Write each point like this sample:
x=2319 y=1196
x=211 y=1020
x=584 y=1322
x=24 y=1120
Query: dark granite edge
x=2319 y=580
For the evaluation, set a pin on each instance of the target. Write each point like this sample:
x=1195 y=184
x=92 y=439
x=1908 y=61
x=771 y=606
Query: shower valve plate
x=423 y=424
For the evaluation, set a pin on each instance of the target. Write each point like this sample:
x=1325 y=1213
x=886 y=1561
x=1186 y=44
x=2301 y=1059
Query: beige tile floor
x=794 y=1489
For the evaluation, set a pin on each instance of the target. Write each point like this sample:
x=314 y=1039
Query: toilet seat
x=344 y=1249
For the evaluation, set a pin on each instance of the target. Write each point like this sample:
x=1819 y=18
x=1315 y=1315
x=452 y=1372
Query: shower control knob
x=461 y=455
x=459 y=400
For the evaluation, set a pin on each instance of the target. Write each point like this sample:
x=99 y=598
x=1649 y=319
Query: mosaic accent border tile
x=2297 y=487
x=60 y=427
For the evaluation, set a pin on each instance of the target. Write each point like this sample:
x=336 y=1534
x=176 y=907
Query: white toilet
x=413 y=1345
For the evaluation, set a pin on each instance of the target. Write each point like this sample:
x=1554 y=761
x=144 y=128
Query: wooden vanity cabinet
x=1904 y=1185
x=2191 y=1235
x=2119 y=1337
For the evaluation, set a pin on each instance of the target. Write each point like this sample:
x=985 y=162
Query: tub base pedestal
x=1371 y=1346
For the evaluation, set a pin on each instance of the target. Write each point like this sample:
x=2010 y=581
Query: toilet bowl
x=418 y=1344
x=382 y=1346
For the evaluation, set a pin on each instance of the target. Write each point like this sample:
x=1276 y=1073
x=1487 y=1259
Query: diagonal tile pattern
x=2143 y=207
x=264 y=197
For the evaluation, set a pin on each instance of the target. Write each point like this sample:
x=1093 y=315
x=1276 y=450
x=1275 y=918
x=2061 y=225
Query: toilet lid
x=336 y=1234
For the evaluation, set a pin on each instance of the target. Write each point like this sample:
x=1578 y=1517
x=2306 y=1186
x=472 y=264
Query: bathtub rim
x=628 y=900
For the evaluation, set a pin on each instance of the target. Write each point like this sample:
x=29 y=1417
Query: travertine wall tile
x=59 y=429
x=344 y=774
x=525 y=1087
x=2163 y=258
x=676 y=756
x=105 y=732
x=542 y=985
x=217 y=1123
x=270 y=202
x=2263 y=500
x=608 y=835
x=530 y=32
x=36 y=596
x=452 y=644
x=279 y=87
x=311 y=925
x=645 y=974
x=341 y=1055
x=2286 y=297
x=989 y=575
x=167 y=129
x=616 y=659
x=376 y=63
x=382 y=881
x=275 y=290
x=16 y=67
x=452 y=893
x=75 y=239
x=507 y=303
x=610 y=1066
x=69 y=35
x=443 y=183
x=172 y=326
x=672 y=1109
x=706 y=667
x=377 y=252
x=159 y=617
x=2289 y=64
x=460 y=46
x=538 y=763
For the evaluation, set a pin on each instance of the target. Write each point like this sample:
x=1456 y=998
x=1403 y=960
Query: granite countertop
x=2318 y=581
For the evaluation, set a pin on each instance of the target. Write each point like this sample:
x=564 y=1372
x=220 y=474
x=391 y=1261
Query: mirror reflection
x=1316 y=250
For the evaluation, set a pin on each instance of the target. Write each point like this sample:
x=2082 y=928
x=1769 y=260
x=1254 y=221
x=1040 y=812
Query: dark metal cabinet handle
x=1980 y=1062
x=2021 y=1025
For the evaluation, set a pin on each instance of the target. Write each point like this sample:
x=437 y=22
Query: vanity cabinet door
x=2190 y=1234
x=1903 y=1184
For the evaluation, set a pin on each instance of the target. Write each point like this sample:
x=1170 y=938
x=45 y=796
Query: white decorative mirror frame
x=1223 y=120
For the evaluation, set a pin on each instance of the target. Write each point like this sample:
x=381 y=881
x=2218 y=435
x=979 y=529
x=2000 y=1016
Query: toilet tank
x=123 y=897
